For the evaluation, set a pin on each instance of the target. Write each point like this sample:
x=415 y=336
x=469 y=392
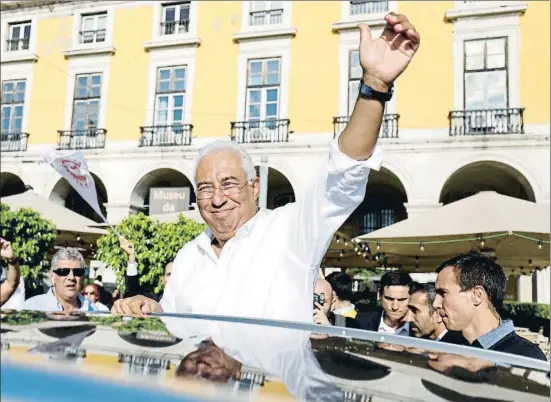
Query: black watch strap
x=365 y=91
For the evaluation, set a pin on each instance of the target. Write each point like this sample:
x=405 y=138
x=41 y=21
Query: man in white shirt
x=264 y=264
x=12 y=289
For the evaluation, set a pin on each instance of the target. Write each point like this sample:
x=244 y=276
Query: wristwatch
x=365 y=91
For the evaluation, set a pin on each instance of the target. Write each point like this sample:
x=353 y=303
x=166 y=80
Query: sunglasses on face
x=65 y=271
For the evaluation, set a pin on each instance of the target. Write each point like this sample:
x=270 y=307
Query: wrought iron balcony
x=165 y=136
x=90 y=138
x=174 y=27
x=14 y=141
x=17 y=44
x=389 y=126
x=252 y=131
x=266 y=17
x=486 y=121
x=358 y=7
x=96 y=36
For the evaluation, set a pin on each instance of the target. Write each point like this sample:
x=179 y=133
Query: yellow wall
x=215 y=90
x=534 y=63
x=127 y=93
x=314 y=77
x=425 y=91
x=47 y=107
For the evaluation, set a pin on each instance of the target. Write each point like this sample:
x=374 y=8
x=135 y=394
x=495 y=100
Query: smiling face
x=66 y=287
x=225 y=214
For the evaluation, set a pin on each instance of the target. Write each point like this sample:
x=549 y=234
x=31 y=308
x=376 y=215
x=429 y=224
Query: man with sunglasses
x=261 y=263
x=67 y=272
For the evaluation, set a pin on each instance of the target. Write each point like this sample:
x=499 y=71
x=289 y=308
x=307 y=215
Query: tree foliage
x=156 y=244
x=31 y=237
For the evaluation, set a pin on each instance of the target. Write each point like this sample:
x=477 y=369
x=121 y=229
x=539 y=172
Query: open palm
x=386 y=57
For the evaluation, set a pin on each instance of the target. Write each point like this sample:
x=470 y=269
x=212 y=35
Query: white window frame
x=95 y=21
x=177 y=10
x=246 y=7
x=503 y=26
x=347 y=16
x=158 y=16
x=13 y=105
x=15 y=72
x=22 y=26
x=264 y=88
x=275 y=48
x=109 y=10
x=171 y=97
x=87 y=101
x=182 y=56
x=6 y=32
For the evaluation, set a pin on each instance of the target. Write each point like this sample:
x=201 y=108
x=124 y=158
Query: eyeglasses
x=206 y=191
x=90 y=294
x=65 y=271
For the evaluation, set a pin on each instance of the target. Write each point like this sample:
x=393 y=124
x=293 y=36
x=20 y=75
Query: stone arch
x=163 y=177
x=486 y=175
x=11 y=184
x=64 y=194
x=280 y=189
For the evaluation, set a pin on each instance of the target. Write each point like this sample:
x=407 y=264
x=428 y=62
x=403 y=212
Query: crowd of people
x=261 y=263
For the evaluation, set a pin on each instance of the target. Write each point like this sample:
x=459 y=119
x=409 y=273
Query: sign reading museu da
x=165 y=200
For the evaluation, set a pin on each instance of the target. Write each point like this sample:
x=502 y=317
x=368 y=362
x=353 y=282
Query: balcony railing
x=174 y=27
x=266 y=17
x=14 y=141
x=358 y=7
x=486 y=121
x=92 y=36
x=252 y=131
x=389 y=126
x=17 y=44
x=90 y=138
x=166 y=136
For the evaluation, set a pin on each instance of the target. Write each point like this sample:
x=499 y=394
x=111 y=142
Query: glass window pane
x=273 y=66
x=180 y=73
x=170 y=13
x=475 y=47
x=87 y=23
x=17 y=124
x=355 y=68
x=162 y=102
x=184 y=13
x=495 y=46
x=161 y=117
x=179 y=85
x=276 y=5
x=259 y=5
x=8 y=97
x=18 y=111
x=352 y=94
x=96 y=79
x=255 y=80
x=272 y=79
x=255 y=67
x=102 y=22
x=271 y=110
x=474 y=62
x=164 y=86
x=164 y=74
x=27 y=31
x=495 y=61
x=254 y=96
x=8 y=87
x=177 y=115
x=271 y=95
x=254 y=111
x=178 y=101
x=15 y=32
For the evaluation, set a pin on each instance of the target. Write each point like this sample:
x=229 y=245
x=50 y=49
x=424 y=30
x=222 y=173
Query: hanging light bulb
x=359 y=253
x=416 y=258
x=540 y=244
x=337 y=239
x=482 y=242
x=341 y=254
x=422 y=246
x=356 y=249
x=377 y=257
x=365 y=255
x=530 y=262
x=346 y=242
x=378 y=245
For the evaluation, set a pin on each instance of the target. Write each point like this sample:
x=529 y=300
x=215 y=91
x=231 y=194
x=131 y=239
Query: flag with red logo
x=73 y=167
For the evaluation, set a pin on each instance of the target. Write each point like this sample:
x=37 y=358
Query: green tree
x=31 y=237
x=156 y=244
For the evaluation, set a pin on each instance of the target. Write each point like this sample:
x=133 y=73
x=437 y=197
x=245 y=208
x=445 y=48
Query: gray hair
x=67 y=253
x=427 y=288
x=219 y=146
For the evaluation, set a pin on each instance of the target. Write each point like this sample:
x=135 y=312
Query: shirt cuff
x=132 y=269
x=343 y=162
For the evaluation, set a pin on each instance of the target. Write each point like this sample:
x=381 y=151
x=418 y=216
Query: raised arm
x=9 y=286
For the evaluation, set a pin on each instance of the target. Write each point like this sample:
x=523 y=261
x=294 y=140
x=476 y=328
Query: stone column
x=117 y=211
x=524 y=288
x=416 y=209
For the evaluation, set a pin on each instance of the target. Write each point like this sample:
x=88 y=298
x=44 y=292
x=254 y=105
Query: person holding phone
x=67 y=272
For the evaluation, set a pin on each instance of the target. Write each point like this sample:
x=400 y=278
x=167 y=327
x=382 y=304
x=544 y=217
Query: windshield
x=272 y=358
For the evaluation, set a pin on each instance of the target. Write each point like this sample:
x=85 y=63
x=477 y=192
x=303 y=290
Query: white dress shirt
x=16 y=300
x=48 y=302
x=268 y=269
x=383 y=327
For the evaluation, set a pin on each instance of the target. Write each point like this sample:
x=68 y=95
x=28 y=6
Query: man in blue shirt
x=67 y=271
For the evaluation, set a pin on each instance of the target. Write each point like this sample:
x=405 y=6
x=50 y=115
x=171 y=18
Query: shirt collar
x=383 y=326
x=344 y=310
x=495 y=335
x=442 y=334
x=82 y=301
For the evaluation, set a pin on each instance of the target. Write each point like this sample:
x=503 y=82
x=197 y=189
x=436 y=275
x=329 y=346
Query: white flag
x=73 y=167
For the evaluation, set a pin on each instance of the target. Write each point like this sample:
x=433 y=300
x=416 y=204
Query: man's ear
x=256 y=188
x=478 y=295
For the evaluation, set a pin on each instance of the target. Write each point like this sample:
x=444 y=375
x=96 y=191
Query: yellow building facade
x=140 y=86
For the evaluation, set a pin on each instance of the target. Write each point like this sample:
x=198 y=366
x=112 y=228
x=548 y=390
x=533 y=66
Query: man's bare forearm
x=11 y=283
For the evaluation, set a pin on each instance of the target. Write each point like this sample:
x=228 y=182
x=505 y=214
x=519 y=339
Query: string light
x=356 y=249
x=422 y=246
x=530 y=262
x=359 y=253
x=341 y=254
x=346 y=242
x=482 y=243
x=337 y=239
x=378 y=245
x=365 y=255
x=540 y=244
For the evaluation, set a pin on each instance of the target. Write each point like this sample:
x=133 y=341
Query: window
x=19 y=36
x=13 y=99
x=377 y=220
x=263 y=90
x=485 y=74
x=358 y=7
x=93 y=28
x=354 y=77
x=170 y=96
x=175 y=18
x=86 y=101
x=266 y=12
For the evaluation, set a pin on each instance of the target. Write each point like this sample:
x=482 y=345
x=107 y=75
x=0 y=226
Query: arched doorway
x=383 y=205
x=10 y=184
x=280 y=190
x=486 y=176
x=64 y=194
x=159 y=179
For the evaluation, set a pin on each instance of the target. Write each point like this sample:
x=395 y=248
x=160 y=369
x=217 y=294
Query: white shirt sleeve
x=329 y=200
x=132 y=269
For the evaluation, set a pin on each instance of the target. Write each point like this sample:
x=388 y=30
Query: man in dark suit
x=394 y=294
x=425 y=322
